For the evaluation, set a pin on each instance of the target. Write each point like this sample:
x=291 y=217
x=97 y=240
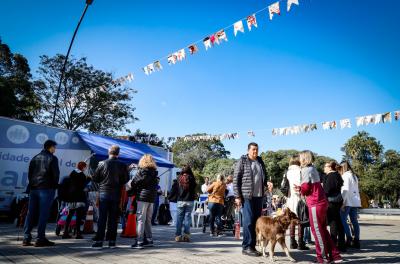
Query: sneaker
x=178 y=239
x=186 y=238
x=212 y=234
x=220 y=234
x=44 y=243
x=148 y=243
x=111 y=244
x=137 y=245
x=250 y=252
x=97 y=245
x=26 y=243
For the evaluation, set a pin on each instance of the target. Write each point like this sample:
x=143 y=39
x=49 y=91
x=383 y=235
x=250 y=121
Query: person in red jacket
x=317 y=208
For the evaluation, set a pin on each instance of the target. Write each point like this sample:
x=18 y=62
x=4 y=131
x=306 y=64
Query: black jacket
x=333 y=183
x=76 y=185
x=145 y=183
x=243 y=178
x=173 y=194
x=44 y=172
x=190 y=194
x=111 y=175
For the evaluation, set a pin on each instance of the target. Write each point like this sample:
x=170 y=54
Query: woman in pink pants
x=317 y=208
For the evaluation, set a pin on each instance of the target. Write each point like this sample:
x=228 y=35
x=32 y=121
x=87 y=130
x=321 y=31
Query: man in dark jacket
x=249 y=180
x=43 y=178
x=111 y=175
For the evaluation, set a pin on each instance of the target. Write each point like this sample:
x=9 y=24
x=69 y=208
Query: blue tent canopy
x=129 y=151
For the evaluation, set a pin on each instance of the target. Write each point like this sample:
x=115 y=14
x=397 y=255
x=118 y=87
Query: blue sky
x=325 y=60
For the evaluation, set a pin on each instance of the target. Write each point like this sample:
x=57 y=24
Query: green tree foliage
x=218 y=166
x=151 y=139
x=17 y=99
x=83 y=104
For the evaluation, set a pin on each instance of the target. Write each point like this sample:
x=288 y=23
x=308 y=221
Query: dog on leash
x=273 y=230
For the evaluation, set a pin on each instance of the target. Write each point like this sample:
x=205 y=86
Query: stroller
x=61 y=221
x=227 y=217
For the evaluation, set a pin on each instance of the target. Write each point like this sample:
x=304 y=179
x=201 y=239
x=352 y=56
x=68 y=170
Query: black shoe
x=97 y=245
x=250 y=252
x=44 y=243
x=137 y=245
x=293 y=243
x=148 y=243
x=355 y=244
x=26 y=243
x=342 y=248
x=348 y=242
x=302 y=246
x=111 y=244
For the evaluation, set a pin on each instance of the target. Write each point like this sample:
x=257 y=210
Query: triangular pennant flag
x=360 y=120
x=251 y=134
x=238 y=26
x=172 y=59
x=397 y=115
x=207 y=42
x=387 y=117
x=157 y=65
x=378 y=118
x=221 y=35
x=213 y=40
x=251 y=21
x=149 y=69
x=193 y=49
x=275 y=131
x=345 y=123
x=313 y=127
x=325 y=125
x=290 y=2
x=130 y=77
x=274 y=9
x=180 y=54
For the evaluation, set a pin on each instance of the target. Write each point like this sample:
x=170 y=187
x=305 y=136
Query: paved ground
x=381 y=244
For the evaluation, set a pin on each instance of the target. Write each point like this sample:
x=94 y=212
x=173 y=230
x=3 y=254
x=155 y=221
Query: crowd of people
x=328 y=199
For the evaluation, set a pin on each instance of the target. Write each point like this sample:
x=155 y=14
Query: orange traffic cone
x=130 y=227
x=88 y=226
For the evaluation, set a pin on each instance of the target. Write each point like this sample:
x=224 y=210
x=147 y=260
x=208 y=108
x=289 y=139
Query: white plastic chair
x=200 y=210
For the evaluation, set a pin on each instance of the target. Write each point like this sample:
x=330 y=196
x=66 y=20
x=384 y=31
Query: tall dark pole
x=88 y=2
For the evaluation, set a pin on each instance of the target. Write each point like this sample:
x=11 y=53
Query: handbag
x=285 y=185
x=302 y=213
x=336 y=199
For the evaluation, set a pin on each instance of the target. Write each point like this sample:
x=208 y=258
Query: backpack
x=302 y=213
x=64 y=190
x=164 y=215
x=285 y=185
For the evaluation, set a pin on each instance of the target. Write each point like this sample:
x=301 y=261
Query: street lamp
x=88 y=3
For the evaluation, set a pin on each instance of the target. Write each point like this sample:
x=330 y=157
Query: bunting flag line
x=274 y=9
x=221 y=35
x=193 y=49
x=345 y=123
x=397 y=115
x=207 y=43
x=214 y=40
x=149 y=69
x=180 y=54
x=251 y=134
x=157 y=65
x=290 y=3
x=238 y=26
x=172 y=59
x=251 y=21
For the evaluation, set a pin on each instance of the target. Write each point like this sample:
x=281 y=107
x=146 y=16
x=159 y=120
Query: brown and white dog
x=273 y=230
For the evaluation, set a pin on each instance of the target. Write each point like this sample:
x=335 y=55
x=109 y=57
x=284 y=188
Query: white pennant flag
x=180 y=54
x=345 y=123
x=149 y=69
x=290 y=2
x=251 y=21
x=221 y=35
x=172 y=59
x=378 y=118
x=274 y=9
x=238 y=26
x=207 y=42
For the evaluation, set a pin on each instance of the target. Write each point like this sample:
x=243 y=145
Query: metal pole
x=88 y=2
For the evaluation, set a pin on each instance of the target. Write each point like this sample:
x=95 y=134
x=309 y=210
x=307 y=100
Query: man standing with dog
x=249 y=180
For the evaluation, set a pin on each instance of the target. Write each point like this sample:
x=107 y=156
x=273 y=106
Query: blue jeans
x=352 y=212
x=40 y=202
x=215 y=216
x=251 y=212
x=307 y=235
x=108 y=214
x=184 y=216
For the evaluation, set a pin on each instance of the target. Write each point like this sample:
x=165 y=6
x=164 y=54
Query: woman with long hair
x=351 y=201
x=186 y=196
x=216 y=204
x=332 y=186
x=145 y=182
x=317 y=208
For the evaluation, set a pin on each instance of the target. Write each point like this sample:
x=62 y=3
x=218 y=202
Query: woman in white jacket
x=293 y=175
x=351 y=201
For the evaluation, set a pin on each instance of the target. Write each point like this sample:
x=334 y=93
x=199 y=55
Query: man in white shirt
x=205 y=186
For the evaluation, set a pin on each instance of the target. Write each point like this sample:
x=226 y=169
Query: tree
x=218 y=166
x=197 y=153
x=17 y=99
x=151 y=139
x=83 y=104
x=361 y=151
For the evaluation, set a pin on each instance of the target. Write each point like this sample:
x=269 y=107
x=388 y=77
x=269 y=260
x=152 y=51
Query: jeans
x=155 y=211
x=251 y=212
x=144 y=214
x=352 y=212
x=307 y=235
x=108 y=211
x=215 y=216
x=184 y=216
x=335 y=223
x=40 y=202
